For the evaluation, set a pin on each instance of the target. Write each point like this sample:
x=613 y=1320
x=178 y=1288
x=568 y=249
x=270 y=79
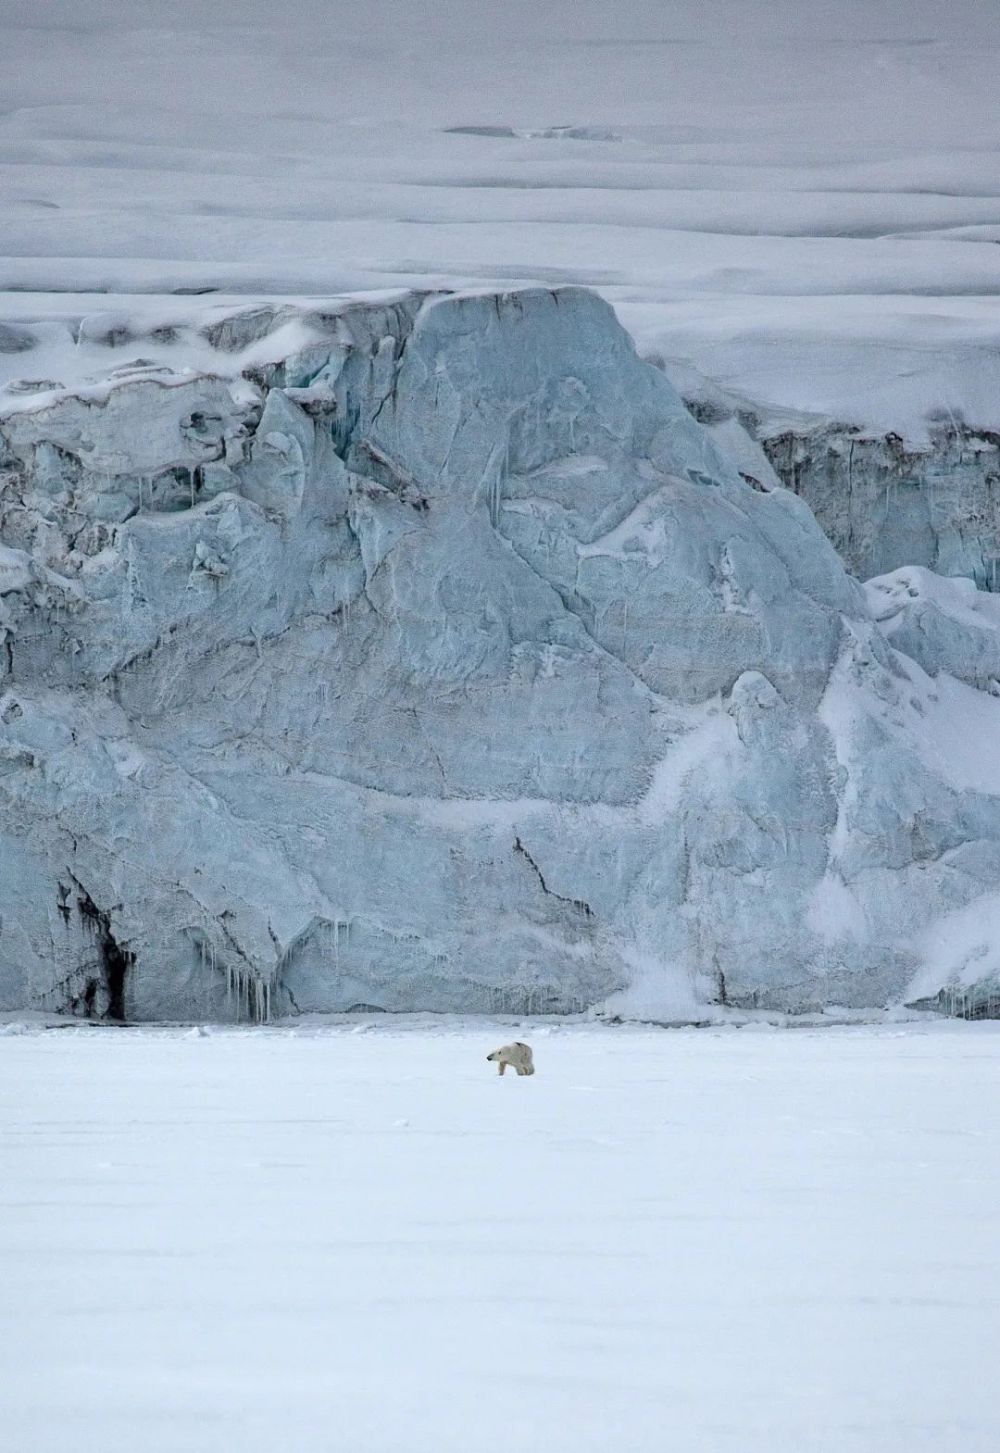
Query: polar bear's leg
x=502 y=1065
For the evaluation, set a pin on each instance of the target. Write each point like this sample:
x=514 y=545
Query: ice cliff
x=882 y=500
x=433 y=656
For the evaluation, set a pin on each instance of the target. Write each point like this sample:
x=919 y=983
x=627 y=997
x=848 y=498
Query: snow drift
x=427 y=654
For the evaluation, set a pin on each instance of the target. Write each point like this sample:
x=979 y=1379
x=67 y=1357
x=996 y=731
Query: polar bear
x=517 y=1055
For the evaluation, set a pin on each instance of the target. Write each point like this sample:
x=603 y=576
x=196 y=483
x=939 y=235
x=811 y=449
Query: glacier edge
x=446 y=662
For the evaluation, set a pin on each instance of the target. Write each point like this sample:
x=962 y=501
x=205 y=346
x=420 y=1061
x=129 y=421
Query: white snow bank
x=961 y=953
x=947 y=626
x=889 y=596
x=959 y=732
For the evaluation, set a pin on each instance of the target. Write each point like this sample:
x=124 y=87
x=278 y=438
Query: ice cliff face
x=882 y=501
x=443 y=661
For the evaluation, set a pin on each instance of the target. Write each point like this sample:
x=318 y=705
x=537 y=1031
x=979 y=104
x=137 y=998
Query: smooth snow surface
x=732 y=174
x=717 y=1241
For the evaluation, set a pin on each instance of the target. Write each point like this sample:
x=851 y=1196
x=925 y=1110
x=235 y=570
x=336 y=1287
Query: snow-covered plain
x=801 y=201
x=696 y=1240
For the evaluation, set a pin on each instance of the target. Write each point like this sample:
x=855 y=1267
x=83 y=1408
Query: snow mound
x=945 y=624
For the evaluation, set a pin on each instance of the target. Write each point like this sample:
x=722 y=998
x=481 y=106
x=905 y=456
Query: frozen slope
x=720 y=1242
x=435 y=657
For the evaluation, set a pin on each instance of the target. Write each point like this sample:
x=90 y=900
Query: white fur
x=517 y=1055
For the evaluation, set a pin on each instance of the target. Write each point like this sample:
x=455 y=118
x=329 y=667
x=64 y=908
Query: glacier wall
x=434 y=657
x=883 y=501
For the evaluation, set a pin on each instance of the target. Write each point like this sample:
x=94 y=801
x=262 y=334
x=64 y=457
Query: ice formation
x=883 y=500
x=886 y=503
x=431 y=655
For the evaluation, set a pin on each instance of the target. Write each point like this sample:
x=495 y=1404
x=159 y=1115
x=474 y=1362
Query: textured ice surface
x=882 y=501
x=442 y=660
x=884 y=504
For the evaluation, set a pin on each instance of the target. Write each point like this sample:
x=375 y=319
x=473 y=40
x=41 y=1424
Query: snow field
x=693 y=1240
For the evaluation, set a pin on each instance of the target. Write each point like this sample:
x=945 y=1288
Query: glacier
x=424 y=652
x=884 y=501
